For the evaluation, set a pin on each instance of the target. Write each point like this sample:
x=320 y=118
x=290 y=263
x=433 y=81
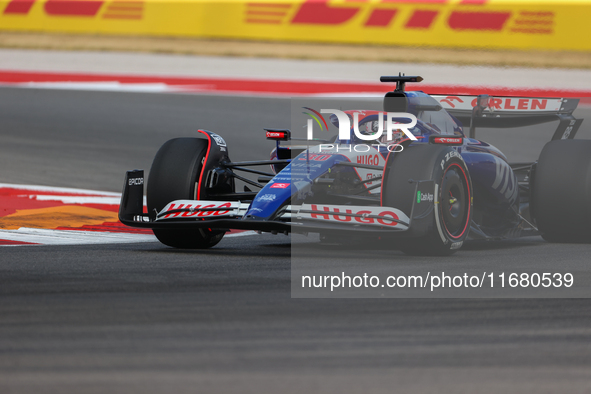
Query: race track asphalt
x=150 y=319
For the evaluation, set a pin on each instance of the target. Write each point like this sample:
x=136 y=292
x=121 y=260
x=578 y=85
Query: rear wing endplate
x=507 y=112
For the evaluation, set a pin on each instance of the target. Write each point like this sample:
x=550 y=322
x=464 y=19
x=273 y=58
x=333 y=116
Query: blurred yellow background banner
x=519 y=24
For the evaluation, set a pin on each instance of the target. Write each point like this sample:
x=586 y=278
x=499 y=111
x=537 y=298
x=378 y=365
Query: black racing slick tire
x=449 y=225
x=561 y=191
x=174 y=176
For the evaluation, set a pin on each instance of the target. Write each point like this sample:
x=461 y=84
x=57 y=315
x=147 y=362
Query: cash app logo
x=424 y=197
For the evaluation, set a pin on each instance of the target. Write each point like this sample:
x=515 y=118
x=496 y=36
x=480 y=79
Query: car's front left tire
x=174 y=176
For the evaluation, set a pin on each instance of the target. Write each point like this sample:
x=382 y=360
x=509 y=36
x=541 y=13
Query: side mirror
x=278 y=134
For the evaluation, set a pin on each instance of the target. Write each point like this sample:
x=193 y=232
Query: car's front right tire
x=452 y=211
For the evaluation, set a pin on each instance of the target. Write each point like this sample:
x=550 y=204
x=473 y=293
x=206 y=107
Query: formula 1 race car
x=428 y=187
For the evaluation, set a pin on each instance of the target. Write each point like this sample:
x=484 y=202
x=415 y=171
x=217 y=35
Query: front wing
x=188 y=214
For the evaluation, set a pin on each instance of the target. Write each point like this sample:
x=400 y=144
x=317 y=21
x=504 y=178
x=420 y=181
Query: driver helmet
x=373 y=127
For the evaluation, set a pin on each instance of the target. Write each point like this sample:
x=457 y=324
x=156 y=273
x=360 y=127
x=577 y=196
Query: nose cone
x=270 y=199
x=293 y=183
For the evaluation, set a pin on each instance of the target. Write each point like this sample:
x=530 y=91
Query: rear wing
x=506 y=112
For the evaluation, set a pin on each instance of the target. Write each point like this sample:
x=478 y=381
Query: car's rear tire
x=561 y=191
x=452 y=215
x=174 y=176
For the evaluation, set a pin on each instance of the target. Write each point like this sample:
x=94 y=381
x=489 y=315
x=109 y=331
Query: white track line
x=78 y=199
x=72 y=237
x=53 y=189
x=242 y=234
x=75 y=237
